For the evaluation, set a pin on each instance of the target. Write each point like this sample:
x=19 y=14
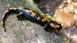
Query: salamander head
x=55 y=25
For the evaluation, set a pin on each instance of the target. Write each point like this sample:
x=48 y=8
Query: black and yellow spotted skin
x=30 y=15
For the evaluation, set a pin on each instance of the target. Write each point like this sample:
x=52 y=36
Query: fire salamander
x=32 y=16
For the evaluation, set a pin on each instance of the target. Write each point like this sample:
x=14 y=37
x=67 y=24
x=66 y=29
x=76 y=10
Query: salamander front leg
x=47 y=28
x=19 y=17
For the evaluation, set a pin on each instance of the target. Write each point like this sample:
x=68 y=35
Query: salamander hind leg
x=20 y=16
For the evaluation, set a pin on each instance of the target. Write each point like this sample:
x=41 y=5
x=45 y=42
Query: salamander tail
x=3 y=25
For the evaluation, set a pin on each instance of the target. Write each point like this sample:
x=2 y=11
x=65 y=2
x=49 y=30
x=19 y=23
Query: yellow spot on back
x=11 y=8
x=33 y=14
x=48 y=20
x=45 y=19
x=15 y=8
x=5 y=13
x=21 y=7
x=38 y=18
x=28 y=10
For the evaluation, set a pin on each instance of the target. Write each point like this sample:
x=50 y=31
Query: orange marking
x=38 y=18
x=45 y=19
x=11 y=8
x=28 y=10
x=15 y=8
x=33 y=14
x=53 y=25
x=5 y=13
x=48 y=20
x=21 y=7
x=2 y=22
